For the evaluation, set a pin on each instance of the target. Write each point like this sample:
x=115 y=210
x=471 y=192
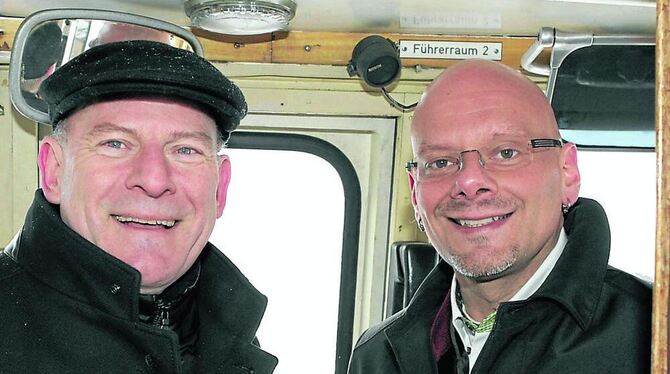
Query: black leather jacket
x=66 y=306
x=586 y=318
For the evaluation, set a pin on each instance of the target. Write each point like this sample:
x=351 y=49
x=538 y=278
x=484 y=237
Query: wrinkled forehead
x=179 y=115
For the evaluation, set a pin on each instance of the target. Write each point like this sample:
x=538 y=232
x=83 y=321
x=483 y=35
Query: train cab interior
x=319 y=215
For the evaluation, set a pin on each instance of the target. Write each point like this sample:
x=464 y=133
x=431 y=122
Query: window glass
x=604 y=96
x=282 y=226
x=624 y=183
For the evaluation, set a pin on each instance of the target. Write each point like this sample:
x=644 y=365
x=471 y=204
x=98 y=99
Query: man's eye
x=114 y=144
x=440 y=163
x=186 y=151
x=507 y=153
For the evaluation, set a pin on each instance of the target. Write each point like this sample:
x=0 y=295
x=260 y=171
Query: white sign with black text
x=450 y=50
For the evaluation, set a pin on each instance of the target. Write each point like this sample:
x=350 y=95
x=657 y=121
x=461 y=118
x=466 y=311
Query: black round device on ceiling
x=376 y=60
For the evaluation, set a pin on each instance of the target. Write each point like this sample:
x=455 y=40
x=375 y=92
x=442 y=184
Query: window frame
x=351 y=225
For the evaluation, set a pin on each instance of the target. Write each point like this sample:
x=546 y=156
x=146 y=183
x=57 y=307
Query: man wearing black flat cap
x=112 y=271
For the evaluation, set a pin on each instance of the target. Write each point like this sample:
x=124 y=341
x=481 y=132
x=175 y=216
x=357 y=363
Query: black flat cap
x=143 y=68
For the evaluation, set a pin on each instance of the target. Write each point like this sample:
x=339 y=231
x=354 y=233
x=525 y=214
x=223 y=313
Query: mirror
x=49 y=39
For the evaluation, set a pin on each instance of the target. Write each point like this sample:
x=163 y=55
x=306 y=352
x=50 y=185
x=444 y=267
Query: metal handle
x=545 y=39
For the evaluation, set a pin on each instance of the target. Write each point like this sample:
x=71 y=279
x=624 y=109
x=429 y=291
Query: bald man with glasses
x=523 y=285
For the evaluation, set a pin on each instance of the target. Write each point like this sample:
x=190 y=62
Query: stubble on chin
x=477 y=269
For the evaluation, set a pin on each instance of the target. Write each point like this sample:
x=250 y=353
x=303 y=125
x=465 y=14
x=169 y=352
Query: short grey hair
x=221 y=139
x=59 y=131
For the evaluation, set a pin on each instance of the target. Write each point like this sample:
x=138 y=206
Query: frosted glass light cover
x=240 y=17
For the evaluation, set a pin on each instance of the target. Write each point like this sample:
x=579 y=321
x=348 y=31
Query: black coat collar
x=578 y=277
x=55 y=254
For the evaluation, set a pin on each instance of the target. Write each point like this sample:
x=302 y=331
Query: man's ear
x=570 y=174
x=412 y=187
x=412 y=192
x=224 y=181
x=50 y=163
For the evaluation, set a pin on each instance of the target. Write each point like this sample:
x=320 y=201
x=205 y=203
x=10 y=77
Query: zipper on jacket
x=162 y=315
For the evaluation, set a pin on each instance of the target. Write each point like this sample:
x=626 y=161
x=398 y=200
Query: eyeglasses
x=504 y=156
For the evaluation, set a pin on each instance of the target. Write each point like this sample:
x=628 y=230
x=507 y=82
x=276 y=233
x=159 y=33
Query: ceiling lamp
x=240 y=17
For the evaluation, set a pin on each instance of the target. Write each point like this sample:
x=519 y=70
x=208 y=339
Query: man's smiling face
x=141 y=179
x=488 y=223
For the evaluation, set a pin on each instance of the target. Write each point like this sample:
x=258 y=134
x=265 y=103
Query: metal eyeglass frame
x=533 y=143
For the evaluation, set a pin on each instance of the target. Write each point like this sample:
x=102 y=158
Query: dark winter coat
x=586 y=318
x=66 y=306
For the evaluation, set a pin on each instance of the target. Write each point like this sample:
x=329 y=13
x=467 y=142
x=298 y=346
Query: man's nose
x=151 y=171
x=472 y=179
